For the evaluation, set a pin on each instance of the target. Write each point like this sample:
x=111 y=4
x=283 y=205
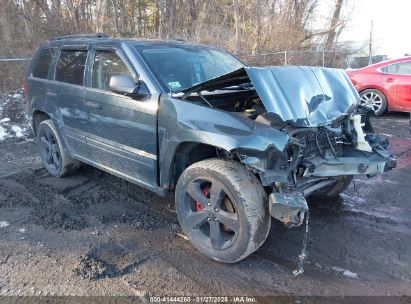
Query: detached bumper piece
x=288 y=207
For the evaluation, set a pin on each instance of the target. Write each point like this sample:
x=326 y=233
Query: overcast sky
x=392 y=22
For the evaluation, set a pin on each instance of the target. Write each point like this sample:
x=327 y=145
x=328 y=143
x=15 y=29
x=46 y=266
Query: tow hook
x=288 y=207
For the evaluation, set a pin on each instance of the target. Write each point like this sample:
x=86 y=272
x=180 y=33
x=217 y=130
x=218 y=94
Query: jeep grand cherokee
x=236 y=145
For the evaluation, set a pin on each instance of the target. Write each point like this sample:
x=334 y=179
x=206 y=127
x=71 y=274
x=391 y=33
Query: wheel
x=374 y=100
x=222 y=209
x=56 y=160
x=334 y=189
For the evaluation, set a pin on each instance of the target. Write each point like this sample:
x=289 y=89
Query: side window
x=107 y=64
x=391 y=69
x=404 y=68
x=43 y=62
x=70 y=67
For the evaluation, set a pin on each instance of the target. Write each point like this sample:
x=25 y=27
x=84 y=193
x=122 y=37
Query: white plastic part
x=361 y=144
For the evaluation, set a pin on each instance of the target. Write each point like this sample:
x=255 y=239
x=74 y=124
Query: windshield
x=181 y=67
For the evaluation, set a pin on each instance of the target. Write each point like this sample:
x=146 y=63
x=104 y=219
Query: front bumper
x=288 y=204
x=370 y=165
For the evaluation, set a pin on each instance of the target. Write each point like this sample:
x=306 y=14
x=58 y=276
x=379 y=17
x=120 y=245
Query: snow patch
x=345 y=272
x=4 y=224
x=3 y=133
x=350 y=274
x=13 y=120
x=18 y=131
x=182 y=236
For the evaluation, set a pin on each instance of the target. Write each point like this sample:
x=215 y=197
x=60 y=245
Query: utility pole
x=370 y=43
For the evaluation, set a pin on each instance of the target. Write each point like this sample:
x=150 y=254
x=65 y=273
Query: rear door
x=123 y=129
x=396 y=79
x=37 y=78
x=65 y=97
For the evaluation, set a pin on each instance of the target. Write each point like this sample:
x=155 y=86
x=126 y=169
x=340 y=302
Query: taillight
x=25 y=90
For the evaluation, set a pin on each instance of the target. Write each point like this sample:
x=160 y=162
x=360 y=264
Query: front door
x=123 y=130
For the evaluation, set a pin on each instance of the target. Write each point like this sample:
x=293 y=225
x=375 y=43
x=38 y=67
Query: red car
x=384 y=85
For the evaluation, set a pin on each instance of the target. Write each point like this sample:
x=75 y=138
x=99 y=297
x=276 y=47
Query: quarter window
x=70 y=67
x=42 y=65
x=402 y=68
x=391 y=69
x=107 y=64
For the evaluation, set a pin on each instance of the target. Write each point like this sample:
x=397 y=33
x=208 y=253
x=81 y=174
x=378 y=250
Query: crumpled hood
x=302 y=96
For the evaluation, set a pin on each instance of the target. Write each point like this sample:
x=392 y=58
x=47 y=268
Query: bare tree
x=237 y=22
x=332 y=33
x=242 y=26
x=4 y=23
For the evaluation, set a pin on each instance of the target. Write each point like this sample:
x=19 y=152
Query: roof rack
x=90 y=35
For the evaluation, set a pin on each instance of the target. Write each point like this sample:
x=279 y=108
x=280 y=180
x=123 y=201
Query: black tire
x=56 y=160
x=375 y=100
x=335 y=189
x=235 y=219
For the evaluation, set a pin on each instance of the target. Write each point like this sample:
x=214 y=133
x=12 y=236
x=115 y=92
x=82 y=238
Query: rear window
x=70 y=67
x=43 y=62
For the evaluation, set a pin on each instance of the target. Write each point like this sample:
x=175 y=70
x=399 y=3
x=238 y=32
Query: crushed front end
x=319 y=157
x=331 y=137
x=323 y=137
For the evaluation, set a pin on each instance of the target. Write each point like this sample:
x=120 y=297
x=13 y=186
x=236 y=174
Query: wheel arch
x=188 y=153
x=38 y=117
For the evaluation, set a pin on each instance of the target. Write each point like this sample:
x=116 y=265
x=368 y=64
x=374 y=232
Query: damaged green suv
x=236 y=145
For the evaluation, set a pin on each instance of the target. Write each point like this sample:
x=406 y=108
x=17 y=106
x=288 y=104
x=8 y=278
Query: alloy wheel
x=49 y=149
x=371 y=100
x=210 y=214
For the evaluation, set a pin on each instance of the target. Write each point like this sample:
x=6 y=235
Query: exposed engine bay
x=246 y=102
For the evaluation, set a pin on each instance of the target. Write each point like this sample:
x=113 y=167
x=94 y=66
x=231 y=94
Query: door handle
x=390 y=79
x=94 y=104
x=51 y=93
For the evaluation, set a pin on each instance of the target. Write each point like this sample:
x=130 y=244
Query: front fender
x=182 y=121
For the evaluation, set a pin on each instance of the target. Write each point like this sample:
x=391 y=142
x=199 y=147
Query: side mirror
x=122 y=84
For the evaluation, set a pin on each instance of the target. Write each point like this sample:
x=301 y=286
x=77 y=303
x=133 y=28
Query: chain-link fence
x=322 y=58
x=14 y=66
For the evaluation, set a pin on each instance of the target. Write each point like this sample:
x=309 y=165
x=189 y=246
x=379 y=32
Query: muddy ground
x=95 y=234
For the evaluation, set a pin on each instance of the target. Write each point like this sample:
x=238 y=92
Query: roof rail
x=90 y=35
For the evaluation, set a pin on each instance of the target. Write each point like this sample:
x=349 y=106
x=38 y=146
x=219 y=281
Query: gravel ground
x=94 y=234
